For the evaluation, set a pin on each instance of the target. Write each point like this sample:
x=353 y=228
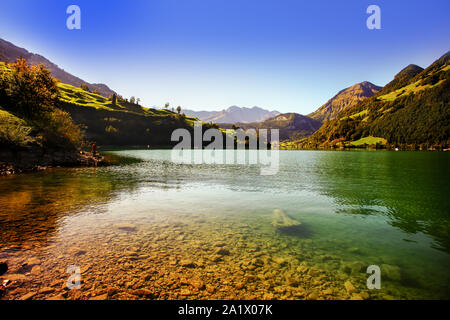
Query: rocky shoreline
x=37 y=159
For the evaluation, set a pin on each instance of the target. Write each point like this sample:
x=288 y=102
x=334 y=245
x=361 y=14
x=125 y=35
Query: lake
x=150 y=228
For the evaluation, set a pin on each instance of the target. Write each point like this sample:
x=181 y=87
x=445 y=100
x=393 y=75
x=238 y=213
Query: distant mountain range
x=290 y=125
x=10 y=52
x=233 y=114
x=345 y=99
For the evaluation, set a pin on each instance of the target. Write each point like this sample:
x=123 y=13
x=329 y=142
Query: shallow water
x=161 y=230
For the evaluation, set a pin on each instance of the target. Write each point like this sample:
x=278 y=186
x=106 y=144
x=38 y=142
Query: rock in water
x=281 y=220
x=3 y=268
x=126 y=226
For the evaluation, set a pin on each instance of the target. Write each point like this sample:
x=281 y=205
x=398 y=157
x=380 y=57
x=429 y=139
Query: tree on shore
x=178 y=109
x=31 y=93
x=28 y=90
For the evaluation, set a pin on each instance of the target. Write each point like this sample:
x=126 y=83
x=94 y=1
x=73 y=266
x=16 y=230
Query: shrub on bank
x=13 y=131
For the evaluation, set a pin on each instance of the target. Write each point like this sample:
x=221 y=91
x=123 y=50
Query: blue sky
x=291 y=56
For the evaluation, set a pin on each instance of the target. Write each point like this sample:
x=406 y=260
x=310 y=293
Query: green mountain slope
x=412 y=112
x=120 y=123
x=344 y=99
x=123 y=123
x=402 y=78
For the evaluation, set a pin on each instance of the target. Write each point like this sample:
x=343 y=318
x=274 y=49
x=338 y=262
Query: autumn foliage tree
x=28 y=90
x=31 y=93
